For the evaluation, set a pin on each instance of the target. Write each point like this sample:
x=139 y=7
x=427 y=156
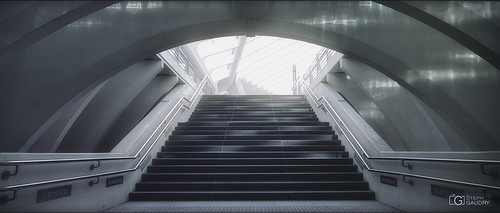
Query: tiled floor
x=253 y=206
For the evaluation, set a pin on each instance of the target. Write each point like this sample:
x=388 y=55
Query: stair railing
x=363 y=155
x=148 y=146
x=319 y=62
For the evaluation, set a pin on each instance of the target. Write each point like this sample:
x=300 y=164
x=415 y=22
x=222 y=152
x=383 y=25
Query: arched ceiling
x=53 y=53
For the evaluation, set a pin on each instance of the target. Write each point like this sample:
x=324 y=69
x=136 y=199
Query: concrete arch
x=20 y=124
x=457 y=33
x=32 y=36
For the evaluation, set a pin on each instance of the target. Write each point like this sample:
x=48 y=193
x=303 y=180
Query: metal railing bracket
x=7 y=174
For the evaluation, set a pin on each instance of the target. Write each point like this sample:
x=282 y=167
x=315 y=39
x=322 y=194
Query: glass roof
x=266 y=62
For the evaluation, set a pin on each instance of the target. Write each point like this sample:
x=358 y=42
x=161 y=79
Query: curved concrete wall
x=98 y=121
x=368 y=110
x=61 y=53
x=400 y=118
x=137 y=110
x=106 y=107
x=48 y=137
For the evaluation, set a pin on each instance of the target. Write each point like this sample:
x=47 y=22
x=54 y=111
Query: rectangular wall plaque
x=114 y=181
x=53 y=193
x=445 y=192
x=389 y=180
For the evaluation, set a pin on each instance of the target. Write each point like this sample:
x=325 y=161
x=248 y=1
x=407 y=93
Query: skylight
x=266 y=62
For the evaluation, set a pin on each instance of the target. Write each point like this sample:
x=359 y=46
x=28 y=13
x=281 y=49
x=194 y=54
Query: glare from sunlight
x=266 y=62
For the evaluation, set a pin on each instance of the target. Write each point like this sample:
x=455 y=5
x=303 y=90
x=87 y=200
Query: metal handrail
x=316 y=101
x=138 y=154
x=322 y=58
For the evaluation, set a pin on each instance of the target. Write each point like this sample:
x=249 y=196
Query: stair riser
x=256 y=169
x=276 y=128
x=252 y=177
x=253 y=196
x=253 y=142
x=241 y=112
x=253 y=161
x=251 y=132
x=259 y=115
x=251 y=110
x=223 y=155
x=253 y=123
x=172 y=148
x=263 y=186
x=290 y=106
x=253 y=100
x=226 y=108
x=262 y=118
x=253 y=137
x=251 y=104
x=282 y=105
x=244 y=97
x=146 y=196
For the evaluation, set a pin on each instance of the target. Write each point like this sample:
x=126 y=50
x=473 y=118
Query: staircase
x=252 y=148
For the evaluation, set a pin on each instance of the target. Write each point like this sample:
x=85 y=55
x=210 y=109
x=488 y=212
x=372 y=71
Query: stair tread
x=249 y=182
x=259 y=131
x=254 y=152
x=279 y=140
x=327 y=145
x=247 y=158
x=269 y=128
x=253 y=173
x=305 y=134
x=295 y=123
x=248 y=192
x=267 y=165
x=257 y=147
